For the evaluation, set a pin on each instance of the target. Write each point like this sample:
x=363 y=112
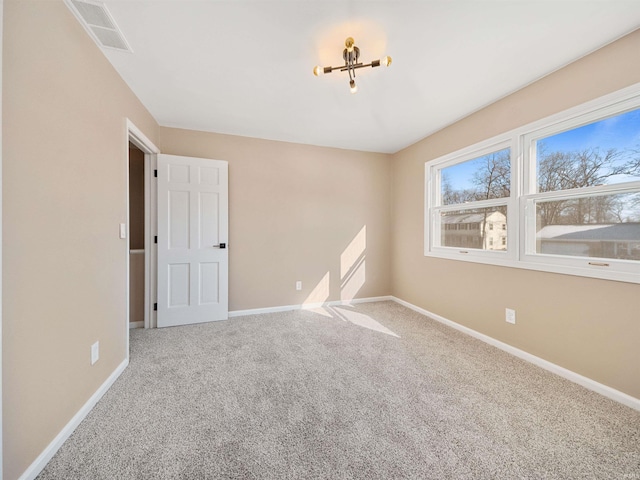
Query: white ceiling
x=245 y=67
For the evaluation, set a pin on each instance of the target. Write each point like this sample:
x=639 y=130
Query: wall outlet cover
x=95 y=352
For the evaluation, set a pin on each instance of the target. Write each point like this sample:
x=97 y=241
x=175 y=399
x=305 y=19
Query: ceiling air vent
x=99 y=23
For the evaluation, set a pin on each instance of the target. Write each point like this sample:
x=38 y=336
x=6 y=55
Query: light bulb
x=349 y=42
x=354 y=87
x=318 y=70
x=386 y=61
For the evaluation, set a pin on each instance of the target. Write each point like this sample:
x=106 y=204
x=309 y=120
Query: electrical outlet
x=95 y=352
x=298 y=285
x=510 y=315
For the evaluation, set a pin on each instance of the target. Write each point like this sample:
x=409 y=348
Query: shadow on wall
x=352 y=279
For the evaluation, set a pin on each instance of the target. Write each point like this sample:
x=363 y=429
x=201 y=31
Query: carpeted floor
x=373 y=391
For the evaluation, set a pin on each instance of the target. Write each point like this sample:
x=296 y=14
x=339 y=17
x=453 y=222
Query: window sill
x=501 y=259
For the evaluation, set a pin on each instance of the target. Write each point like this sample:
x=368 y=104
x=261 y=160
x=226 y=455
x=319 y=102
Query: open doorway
x=141 y=160
x=137 y=272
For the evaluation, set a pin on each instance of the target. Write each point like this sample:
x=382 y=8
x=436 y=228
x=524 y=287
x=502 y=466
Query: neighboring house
x=465 y=230
x=620 y=240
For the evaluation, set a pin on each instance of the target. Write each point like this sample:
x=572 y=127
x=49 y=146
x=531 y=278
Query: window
x=584 y=191
x=471 y=194
x=568 y=188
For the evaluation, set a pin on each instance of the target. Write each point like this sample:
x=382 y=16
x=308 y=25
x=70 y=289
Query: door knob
x=221 y=245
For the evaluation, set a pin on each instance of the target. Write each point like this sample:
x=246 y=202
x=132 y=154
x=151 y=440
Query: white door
x=193 y=263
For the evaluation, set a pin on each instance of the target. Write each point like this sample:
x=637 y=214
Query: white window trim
x=519 y=239
x=432 y=196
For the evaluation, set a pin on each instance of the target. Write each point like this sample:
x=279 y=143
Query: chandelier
x=351 y=55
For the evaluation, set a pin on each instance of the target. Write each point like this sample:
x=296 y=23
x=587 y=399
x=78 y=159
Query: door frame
x=1 y=273
x=140 y=140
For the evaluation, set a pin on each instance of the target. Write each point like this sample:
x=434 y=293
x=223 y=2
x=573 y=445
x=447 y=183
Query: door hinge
x=155 y=173
x=155 y=239
x=155 y=306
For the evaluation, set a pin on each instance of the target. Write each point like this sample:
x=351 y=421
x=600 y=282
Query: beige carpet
x=373 y=391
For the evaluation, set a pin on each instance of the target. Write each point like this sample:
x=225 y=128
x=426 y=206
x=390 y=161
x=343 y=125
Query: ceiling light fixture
x=351 y=54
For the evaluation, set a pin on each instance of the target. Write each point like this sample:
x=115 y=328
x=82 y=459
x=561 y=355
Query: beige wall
x=294 y=211
x=136 y=287
x=589 y=326
x=319 y=215
x=64 y=194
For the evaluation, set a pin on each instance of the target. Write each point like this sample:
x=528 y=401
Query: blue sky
x=620 y=132
x=461 y=175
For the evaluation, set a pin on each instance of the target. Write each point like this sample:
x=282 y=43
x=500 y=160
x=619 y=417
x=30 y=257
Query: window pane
x=481 y=178
x=603 y=152
x=606 y=226
x=480 y=228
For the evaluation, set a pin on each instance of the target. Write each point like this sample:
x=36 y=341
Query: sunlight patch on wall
x=354 y=282
x=353 y=252
x=320 y=293
x=353 y=266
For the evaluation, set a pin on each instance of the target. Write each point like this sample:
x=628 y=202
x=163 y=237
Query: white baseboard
x=586 y=382
x=136 y=325
x=307 y=306
x=39 y=463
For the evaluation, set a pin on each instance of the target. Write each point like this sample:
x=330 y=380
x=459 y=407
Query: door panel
x=209 y=206
x=209 y=289
x=192 y=227
x=178 y=219
x=178 y=285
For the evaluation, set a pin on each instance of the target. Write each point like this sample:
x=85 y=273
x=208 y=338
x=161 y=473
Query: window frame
x=521 y=223
x=433 y=178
